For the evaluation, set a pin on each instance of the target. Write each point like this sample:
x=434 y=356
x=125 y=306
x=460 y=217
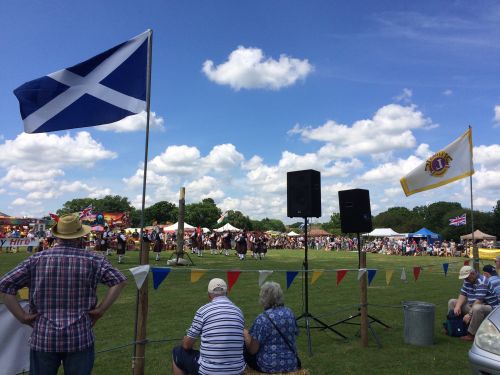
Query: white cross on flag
x=101 y=90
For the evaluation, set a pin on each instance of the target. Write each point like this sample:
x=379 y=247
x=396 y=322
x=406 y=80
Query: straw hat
x=69 y=227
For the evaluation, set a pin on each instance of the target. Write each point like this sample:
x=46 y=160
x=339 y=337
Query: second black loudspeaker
x=303 y=193
x=355 y=212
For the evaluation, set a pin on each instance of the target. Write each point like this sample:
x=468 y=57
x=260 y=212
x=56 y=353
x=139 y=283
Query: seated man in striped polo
x=220 y=325
x=475 y=301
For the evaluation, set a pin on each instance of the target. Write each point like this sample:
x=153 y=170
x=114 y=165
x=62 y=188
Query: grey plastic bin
x=419 y=322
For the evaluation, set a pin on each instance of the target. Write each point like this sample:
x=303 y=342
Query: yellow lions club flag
x=450 y=164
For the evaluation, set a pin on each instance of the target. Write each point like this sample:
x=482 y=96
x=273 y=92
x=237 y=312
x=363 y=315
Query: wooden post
x=142 y=317
x=363 y=301
x=180 y=223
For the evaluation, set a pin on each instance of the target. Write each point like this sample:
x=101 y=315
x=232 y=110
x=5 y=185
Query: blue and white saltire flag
x=101 y=90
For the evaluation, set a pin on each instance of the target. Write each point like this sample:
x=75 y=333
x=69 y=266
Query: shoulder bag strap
x=281 y=334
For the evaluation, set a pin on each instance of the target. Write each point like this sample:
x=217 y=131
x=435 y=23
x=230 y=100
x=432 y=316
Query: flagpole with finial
x=141 y=314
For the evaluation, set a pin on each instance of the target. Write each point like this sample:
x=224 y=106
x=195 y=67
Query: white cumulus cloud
x=53 y=151
x=134 y=123
x=389 y=129
x=248 y=68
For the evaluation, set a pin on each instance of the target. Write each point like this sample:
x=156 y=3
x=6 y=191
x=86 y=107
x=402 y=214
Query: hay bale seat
x=250 y=371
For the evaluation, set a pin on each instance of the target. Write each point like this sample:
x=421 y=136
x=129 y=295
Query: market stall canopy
x=292 y=234
x=425 y=233
x=383 y=232
x=175 y=226
x=478 y=235
x=273 y=232
x=227 y=228
x=206 y=230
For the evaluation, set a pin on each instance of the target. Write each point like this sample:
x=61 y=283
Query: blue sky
x=243 y=92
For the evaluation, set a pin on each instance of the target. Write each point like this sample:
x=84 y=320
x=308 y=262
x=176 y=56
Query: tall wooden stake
x=180 y=223
x=139 y=356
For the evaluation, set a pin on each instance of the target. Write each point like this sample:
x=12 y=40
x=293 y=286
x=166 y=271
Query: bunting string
x=160 y=274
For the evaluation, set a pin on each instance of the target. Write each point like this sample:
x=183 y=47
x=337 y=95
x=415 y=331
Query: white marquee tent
x=174 y=227
x=293 y=234
x=383 y=232
x=227 y=227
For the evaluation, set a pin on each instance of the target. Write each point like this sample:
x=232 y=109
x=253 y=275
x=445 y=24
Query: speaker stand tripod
x=363 y=309
x=306 y=315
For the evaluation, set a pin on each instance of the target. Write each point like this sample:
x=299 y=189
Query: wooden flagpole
x=141 y=315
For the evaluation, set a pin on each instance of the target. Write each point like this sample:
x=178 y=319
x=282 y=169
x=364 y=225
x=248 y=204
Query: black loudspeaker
x=303 y=193
x=355 y=212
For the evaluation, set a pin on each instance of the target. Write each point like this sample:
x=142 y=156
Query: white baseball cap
x=465 y=271
x=217 y=286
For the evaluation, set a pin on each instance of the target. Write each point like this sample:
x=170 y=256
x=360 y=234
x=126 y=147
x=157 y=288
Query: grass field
x=172 y=306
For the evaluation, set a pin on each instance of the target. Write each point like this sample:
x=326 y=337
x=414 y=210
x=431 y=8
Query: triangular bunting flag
x=416 y=272
x=340 y=275
x=445 y=268
x=371 y=275
x=316 y=275
x=403 y=275
x=388 y=276
x=263 y=275
x=197 y=274
x=466 y=262
x=290 y=276
x=361 y=272
x=140 y=273
x=159 y=274
x=232 y=277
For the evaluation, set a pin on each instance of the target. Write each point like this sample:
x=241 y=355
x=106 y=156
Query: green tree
x=161 y=212
x=399 y=219
x=75 y=205
x=333 y=226
x=237 y=219
x=437 y=214
x=112 y=203
x=270 y=224
x=203 y=214
x=496 y=220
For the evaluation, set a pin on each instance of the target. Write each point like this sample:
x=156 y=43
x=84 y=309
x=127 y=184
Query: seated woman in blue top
x=267 y=350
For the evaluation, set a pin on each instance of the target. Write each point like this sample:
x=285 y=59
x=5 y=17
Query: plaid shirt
x=63 y=283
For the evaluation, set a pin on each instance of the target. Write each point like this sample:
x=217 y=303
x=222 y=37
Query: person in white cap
x=63 y=299
x=220 y=325
x=471 y=301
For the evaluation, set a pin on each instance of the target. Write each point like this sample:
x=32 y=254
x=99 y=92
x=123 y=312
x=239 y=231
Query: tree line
x=206 y=213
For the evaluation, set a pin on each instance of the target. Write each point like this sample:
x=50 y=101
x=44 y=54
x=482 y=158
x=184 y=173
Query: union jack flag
x=54 y=217
x=87 y=211
x=459 y=220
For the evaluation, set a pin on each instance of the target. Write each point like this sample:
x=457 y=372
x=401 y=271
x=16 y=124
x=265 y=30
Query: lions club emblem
x=438 y=164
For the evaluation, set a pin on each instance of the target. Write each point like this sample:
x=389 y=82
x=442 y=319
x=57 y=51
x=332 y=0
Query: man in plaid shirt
x=63 y=300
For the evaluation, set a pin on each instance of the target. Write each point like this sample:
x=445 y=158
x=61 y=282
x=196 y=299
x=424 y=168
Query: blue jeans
x=76 y=363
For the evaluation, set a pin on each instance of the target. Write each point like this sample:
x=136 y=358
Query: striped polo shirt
x=493 y=296
x=220 y=325
x=475 y=291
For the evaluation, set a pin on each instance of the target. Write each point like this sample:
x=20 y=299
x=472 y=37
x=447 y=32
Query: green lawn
x=172 y=306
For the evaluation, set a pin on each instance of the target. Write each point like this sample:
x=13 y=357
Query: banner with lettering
x=18 y=242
